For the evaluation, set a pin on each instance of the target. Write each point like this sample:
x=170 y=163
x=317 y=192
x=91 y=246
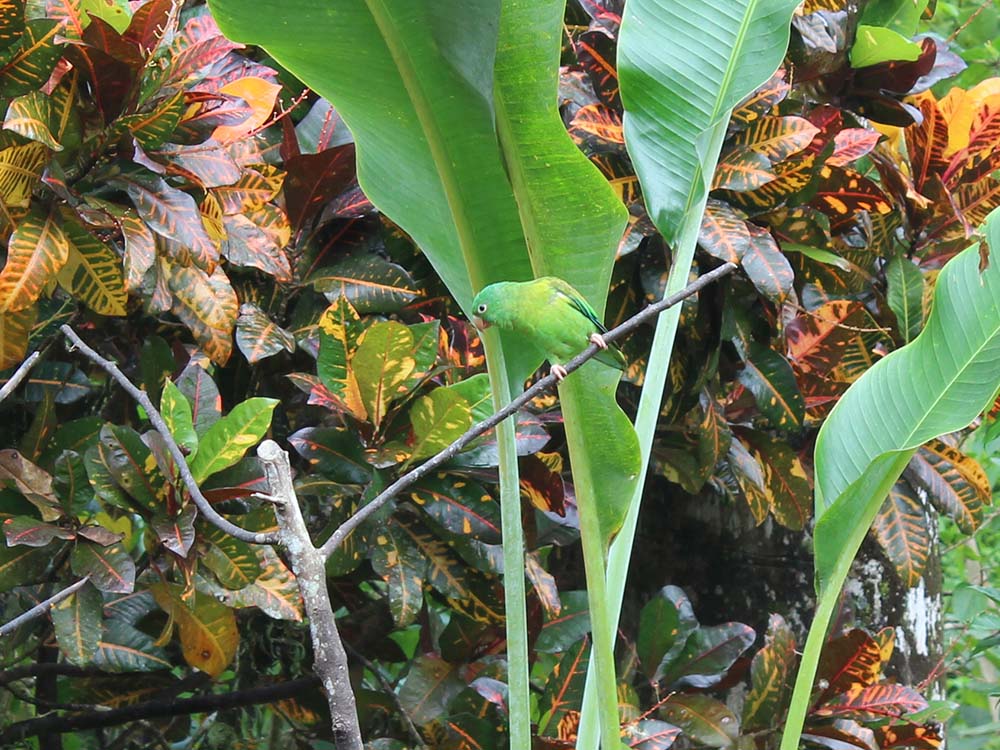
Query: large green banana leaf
x=682 y=67
x=414 y=80
x=936 y=384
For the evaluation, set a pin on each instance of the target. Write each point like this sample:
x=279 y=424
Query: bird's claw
x=598 y=340
x=559 y=371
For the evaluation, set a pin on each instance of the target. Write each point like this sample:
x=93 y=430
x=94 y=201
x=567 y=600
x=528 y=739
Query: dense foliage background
x=170 y=194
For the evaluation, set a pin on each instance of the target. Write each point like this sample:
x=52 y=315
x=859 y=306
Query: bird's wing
x=563 y=289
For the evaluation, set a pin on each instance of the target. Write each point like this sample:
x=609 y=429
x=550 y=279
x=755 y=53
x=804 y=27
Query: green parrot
x=550 y=314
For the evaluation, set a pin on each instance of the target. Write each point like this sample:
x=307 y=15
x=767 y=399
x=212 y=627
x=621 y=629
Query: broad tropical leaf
x=93 y=272
x=226 y=441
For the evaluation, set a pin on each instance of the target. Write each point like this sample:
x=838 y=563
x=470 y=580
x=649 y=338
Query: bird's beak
x=479 y=323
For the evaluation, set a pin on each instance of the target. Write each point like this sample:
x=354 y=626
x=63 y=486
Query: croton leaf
x=175 y=532
x=258 y=337
x=955 y=482
x=340 y=327
x=431 y=684
x=208 y=633
x=33 y=482
x=874 y=702
x=314 y=179
x=333 y=451
x=723 y=232
x=402 y=566
x=151 y=129
x=770 y=676
x=203 y=395
x=381 y=363
x=173 y=214
x=777 y=138
x=225 y=442
x=850 y=661
x=765 y=266
x=707 y=655
x=38 y=249
x=274 y=592
x=27 y=65
x=817 y=339
x=29 y=115
x=563 y=694
x=14 y=330
x=134 y=467
x=20 y=168
x=207 y=305
x=789 y=491
x=111 y=569
x=93 y=272
x=768 y=376
x=902 y=531
x=742 y=169
x=33 y=533
x=705 y=720
x=460 y=506
x=438 y=419
x=76 y=622
x=235 y=563
x=369 y=282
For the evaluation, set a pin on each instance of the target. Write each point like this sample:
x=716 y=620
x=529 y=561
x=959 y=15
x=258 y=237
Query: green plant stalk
x=620 y=553
x=519 y=698
x=876 y=486
x=602 y=654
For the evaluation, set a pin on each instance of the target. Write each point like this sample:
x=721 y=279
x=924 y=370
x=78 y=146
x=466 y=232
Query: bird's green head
x=488 y=308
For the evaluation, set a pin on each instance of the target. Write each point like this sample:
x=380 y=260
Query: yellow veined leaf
x=777 y=138
x=382 y=362
x=93 y=273
x=14 y=330
x=207 y=305
x=20 y=168
x=140 y=249
x=901 y=530
x=339 y=328
x=37 y=250
x=29 y=115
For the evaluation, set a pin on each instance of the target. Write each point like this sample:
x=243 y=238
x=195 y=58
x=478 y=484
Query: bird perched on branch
x=548 y=313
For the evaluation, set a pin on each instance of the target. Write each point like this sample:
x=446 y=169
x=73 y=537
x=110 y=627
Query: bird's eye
x=481 y=309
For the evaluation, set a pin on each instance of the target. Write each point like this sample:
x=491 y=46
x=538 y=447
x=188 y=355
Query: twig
x=20 y=374
x=345 y=529
x=204 y=507
x=57 y=724
x=42 y=607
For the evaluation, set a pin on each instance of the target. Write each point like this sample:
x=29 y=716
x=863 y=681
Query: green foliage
x=131 y=189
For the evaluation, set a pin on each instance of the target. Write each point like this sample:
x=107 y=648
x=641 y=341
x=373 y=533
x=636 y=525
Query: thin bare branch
x=204 y=507
x=58 y=724
x=19 y=374
x=641 y=317
x=42 y=607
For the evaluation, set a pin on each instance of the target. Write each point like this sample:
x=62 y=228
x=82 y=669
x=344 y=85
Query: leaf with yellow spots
x=791 y=177
x=842 y=193
x=29 y=115
x=339 y=329
x=852 y=660
x=789 y=491
x=133 y=467
x=226 y=441
x=723 y=231
x=768 y=376
x=402 y=566
x=563 y=695
x=817 y=339
x=208 y=633
x=437 y=420
x=275 y=592
x=460 y=506
x=466 y=589
x=382 y=363
x=770 y=677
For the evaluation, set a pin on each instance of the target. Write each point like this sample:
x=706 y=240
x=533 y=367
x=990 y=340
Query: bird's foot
x=598 y=339
x=559 y=371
